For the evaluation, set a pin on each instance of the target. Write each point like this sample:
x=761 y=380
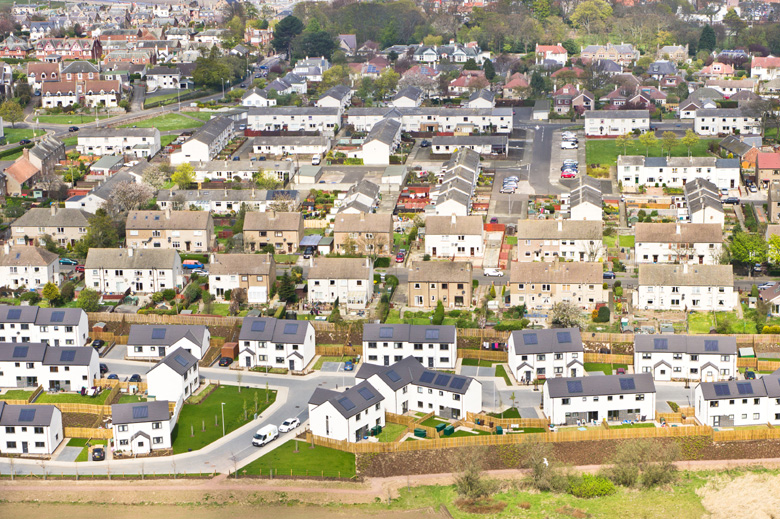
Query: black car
x=308 y=252
x=25 y=141
x=98 y=454
x=609 y=275
x=98 y=343
x=424 y=144
x=749 y=375
x=135 y=378
x=73 y=129
x=103 y=369
x=225 y=361
x=731 y=200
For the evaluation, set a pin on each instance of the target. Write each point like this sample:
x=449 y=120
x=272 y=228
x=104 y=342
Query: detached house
x=686 y=357
x=151 y=341
x=175 y=377
x=432 y=346
x=692 y=243
x=190 y=231
x=140 y=428
x=548 y=240
x=255 y=273
x=433 y=281
x=283 y=230
x=454 y=236
x=540 y=354
x=30 y=429
x=350 y=280
x=347 y=415
x=540 y=285
x=683 y=287
x=370 y=233
x=275 y=343
x=765 y=68
x=551 y=53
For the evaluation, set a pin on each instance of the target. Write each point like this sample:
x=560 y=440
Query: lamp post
x=223 y=418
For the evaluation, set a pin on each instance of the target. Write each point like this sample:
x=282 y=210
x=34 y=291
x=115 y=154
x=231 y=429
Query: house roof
x=22 y=255
x=269 y=329
x=213 y=128
x=691 y=344
x=454 y=225
x=250 y=264
x=364 y=222
x=349 y=402
x=338 y=92
x=578 y=272
x=109 y=133
x=59 y=316
x=43 y=217
x=574 y=387
x=684 y=275
x=482 y=93
x=179 y=360
x=558 y=229
x=175 y=220
x=129 y=259
x=678 y=233
x=23 y=352
x=339 y=268
x=26 y=415
x=735 y=145
x=410 y=92
x=272 y=221
x=617 y=114
x=64 y=356
x=409 y=371
x=440 y=272
x=140 y=412
x=21 y=170
x=165 y=334
x=413 y=333
x=385 y=131
x=727 y=390
x=768 y=160
x=559 y=340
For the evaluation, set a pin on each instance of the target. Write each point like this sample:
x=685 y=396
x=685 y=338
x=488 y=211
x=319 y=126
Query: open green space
x=640 y=425
x=606 y=368
x=501 y=372
x=167 y=139
x=72 y=398
x=480 y=362
x=201 y=424
x=166 y=123
x=626 y=241
x=433 y=422
x=222 y=309
x=70 y=141
x=725 y=322
x=391 y=432
x=317 y=461
x=131 y=399
x=462 y=433
x=14 y=135
x=69 y=119
x=609 y=241
x=511 y=240
x=286 y=258
x=511 y=412
x=203 y=116
x=16 y=394
x=318 y=364
x=606 y=151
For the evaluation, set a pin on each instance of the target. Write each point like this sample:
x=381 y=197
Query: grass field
x=606 y=151
x=510 y=412
x=209 y=412
x=481 y=363
x=70 y=141
x=203 y=116
x=501 y=372
x=391 y=432
x=16 y=394
x=606 y=368
x=69 y=119
x=318 y=364
x=72 y=398
x=701 y=322
x=461 y=434
x=14 y=135
x=166 y=140
x=166 y=123
x=319 y=461
x=610 y=242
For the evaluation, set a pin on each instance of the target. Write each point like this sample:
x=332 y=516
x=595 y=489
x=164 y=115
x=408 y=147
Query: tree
x=128 y=195
x=773 y=252
x=318 y=43
x=647 y=140
x=566 y=315
x=101 y=234
x=11 y=112
x=67 y=292
x=89 y=300
x=669 y=141
x=537 y=84
x=386 y=82
x=335 y=75
x=623 y=141
x=373 y=246
x=490 y=71
x=591 y=14
x=707 y=40
x=470 y=64
x=438 y=314
x=154 y=176
x=184 y=175
x=541 y=9
x=283 y=202
x=285 y=32
x=50 y=292
x=266 y=180
x=287 y=289
x=389 y=35
x=689 y=140
x=734 y=22
x=470 y=482
x=748 y=249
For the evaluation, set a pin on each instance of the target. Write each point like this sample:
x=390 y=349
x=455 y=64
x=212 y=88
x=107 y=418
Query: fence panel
x=500 y=356
x=89 y=433
x=507 y=422
x=338 y=351
x=768 y=365
x=746 y=434
x=747 y=362
x=402 y=419
x=607 y=358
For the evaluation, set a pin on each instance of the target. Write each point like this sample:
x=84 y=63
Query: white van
x=315 y=160
x=264 y=435
x=568 y=145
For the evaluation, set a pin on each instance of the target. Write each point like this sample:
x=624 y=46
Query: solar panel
x=393 y=376
x=181 y=360
x=346 y=403
x=20 y=352
x=574 y=386
x=14 y=313
x=58 y=316
x=67 y=355
x=744 y=388
x=564 y=337
x=291 y=328
x=721 y=389
x=710 y=345
x=427 y=377
x=660 y=344
x=458 y=383
x=27 y=415
x=385 y=332
x=442 y=380
x=432 y=334
x=627 y=384
x=258 y=326
x=158 y=333
x=530 y=339
x=366 y=393
x=140 y=411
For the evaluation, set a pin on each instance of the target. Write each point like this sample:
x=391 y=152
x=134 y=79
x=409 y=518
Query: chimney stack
x=678 y=227
x=53 y=208
x=560 y=225
x=168 y=213
x=685 y=268
x=454 y=219
x=130 y=252
x=7 y=247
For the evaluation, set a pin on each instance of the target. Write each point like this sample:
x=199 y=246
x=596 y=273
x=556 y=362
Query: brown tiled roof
x=678 y=233
x=254 y=264
x=556 y=272
x=445 y=225
x=22 y=170
x=339 y=268
x=272 y=221
x=363 y=222
x=440 y=271
x=548 y=230
x=686 y=275
x=43 y=217
x=27 y=255
x=140 y=220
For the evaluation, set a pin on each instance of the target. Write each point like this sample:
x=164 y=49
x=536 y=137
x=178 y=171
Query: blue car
x=68 y=261
x=113 y=376
x=348 y=366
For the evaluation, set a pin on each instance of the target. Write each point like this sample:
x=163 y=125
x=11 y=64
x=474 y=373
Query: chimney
x=685 y=268
x=560 y=225
x=212 y=258
x=130 y=252
x=53 y=208
x=362 y=217
x=271 y=214
x=7 y=248
x=168 y=213
x=678 y=227
x=454 y=219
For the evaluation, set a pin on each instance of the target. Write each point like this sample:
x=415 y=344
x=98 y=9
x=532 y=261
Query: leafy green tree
x=707 y=40
x=537 y=84
x=50 y=292
x=734 y=23
x=648 y=139
x=773 y=252
x=490 y=71
x=470 y=64
x=101 y=234
x=285 y=33
x=748 y=249
x=689 y=140
x=541 y=9
x=184 y=175
x=89 y=300
x=389 y=35
x=11 y=111
x=67 y=291
x=318 y=43
x=591 y=15
x=623 y=141
x=287 y=289
x=438 y=314
x=669 y=140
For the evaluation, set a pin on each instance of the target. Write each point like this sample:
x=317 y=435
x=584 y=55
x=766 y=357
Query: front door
x=701 y=259
x=573 y=372
x=139 y=287
x=292 y=365
x=187 y=245
x=25 y=450
x=433 y=251
x=716 y=421
x=528 y=375
x=472 y=252
x=387 y=360
x=248 y=361
x=161 y=349
x=430 y=362
x=593 y=416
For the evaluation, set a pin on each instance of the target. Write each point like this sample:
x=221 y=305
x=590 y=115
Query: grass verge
x=308 y=461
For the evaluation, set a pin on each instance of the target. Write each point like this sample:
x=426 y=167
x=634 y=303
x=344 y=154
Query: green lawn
x=193 y=416
x=14 y=135
x=511 y=240
x=391 y=432
x=285 y=258
x=131 y=399
x=641 y=425
x=701 y=322
x=481 y=363
x=69 y=119
x=610 y=241
x=461 y=433
x=510 y=412
x=501 y=372
x=319 y=461
x=167 y=139
x=203 y=116
x=166 y=123
x=605 y=151
x=606 y=368
x=220 y=309
x=318 y=364
x=627 y=241
x=433 y=422
x=72 y=398
x=16 y=394
x=70 y=141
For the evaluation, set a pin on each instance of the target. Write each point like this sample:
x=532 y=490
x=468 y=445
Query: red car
x=568 y=174
x=400 y=258
x=79 y=268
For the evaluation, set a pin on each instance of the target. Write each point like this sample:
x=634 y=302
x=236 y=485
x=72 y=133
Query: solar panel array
x=258 y=326
x=140 y=411
x=458 y=383
x=710 y=345
x=366 y=393
x=27 y=415
x=574 y=386
x=14 y=313
x=564 y=337
x=627 y=384
x=432 y=335
x=67 y=355
x=386 y=332
x=721 y=389
x=660 y=344
x=58 y=316
x=20 y=352
x=442 y=380
x=346 y=403
x=745 y=388
x=427 y=377
x=393 y=376
x=158 y=333
x=530 y=339
x=181 y=360
x=291 y=328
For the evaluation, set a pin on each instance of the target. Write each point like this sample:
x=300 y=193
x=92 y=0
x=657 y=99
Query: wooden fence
x=109 y=382
x=163 y=319
x=507 y=422
x=338 y=351
x=607 y=358
x=486 y=333
x=402 y=419
x=687 y=412
x=315 y=224
x=214 y=351
x=746 y=434
x=481 y=354
x=768 y=365
x=747 y=362
x=70 y=407
x=89 y=433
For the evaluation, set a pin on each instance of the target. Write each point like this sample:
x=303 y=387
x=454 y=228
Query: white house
x=291 y=145
x=482 y=144
x=135 y=142
x=143 y=271
x=206 y=143
x=28 y=266
x=163 y=78
x=482 y=98
x=706 y=358
x=408 y=97
x=382 y=140
x=175 y=377
x=143 y=427
x=34 y=430
x=257 y=97
x=454 y=236
x=350 y=280
x=738 y=402
x=556 y=53
x=31 y=364
x=294 y=118
x=682 y=287
x=275 y=343
x=255 y=273
x=702 y=200
x=765 y=68
x=346 y=415
x=55 y=326
x=148 y=341
x=541 y=354
x=721 y=121
x=613 y=398
x=433 y=346
x=692 y=243
x=615 y=122
x=408 y=386
x=586 y=200
x=549 y=240
x=435 y=119
x=339 y=96
x=95 y=199
x=677 y=171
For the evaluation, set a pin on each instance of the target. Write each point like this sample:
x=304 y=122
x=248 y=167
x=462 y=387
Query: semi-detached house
x=686 y=357
x=64 y=226
x=30 y=429
x=33 y=364
x=446 y=281
x=692 y=243
x=142 y=427
x=185 y=231
x=369 y=233
x=175 y=377
x=275 y=343
x=350 y=280
x=454 y=236
x=147 y=341
x=28 y=266
x=612 y=123
x=432 y=346
x=733 y=403
x=347 y=415
x=284 y=230
x=551 y=240
x=541 y=285
x=540 y=354
x=683 y=287
x=254 y=273
x=55 y=326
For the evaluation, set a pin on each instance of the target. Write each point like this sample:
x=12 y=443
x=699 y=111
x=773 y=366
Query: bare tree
x=154 y=176
x=593 y=250
x=374 y=246
x=178 y=201
x=282 y=202
x=131 y=195
x=239 y=379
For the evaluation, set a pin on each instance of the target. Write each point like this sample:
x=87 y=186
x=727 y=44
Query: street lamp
x=223 y=418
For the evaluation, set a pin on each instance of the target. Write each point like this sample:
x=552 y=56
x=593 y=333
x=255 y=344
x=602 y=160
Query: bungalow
x=541 y=354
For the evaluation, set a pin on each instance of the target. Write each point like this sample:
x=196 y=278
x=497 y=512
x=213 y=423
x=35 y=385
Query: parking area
x=332 y=367
x=559 y=155
x=351 y=174
x=475 y=371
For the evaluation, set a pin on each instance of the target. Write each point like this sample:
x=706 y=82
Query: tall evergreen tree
x=287 y=289
x=707 y=40
x=490 y=70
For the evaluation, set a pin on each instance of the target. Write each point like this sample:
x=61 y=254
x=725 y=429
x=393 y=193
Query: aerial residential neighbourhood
x=380 y=259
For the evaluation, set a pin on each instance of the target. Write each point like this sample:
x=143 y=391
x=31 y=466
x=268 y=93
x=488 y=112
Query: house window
x=565 y=401
x=122 y=428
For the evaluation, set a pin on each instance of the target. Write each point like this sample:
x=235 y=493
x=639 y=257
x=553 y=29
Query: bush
x=618 y=283
x=644 y=462
x=67 y=291
x=618 y=291
x=589 y=486
x=754 y=291
x=602 y=315
x=382 y=263
x=391 y=281
x=168 y=294
x=438 y=314
x=31 y=297
x=512 y=325
x=427 y=257
x=227 y=294
x=157 y=297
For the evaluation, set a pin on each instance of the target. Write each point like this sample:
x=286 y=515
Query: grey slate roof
x=409 y=371
x=119 y=132
x=384 y=131
x=598 y=386
x=59 y=316
x=557 y=340
x=64 y=356
x=179 y=360
x=126 y=413
x=482 y=93
x=696 y=275
x=22 y=352
x=146 y=334
x=727 y=390
x=140 y=259
x=410 y=92
x=213 y=128
x=691 y=344
x=414 y=333
x=720 y=112
x=349 y=402
x=338 y=92
x=40 y=415
x=18 y=314
x=42 y=217
x=269 y=329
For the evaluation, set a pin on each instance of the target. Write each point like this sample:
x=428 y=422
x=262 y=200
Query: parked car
x=621 y=371
x=308 y=252
x=79 y=268
x=493 y=273
x=191 y=264
x=113 y=376
x=749 y=375
x=98 y=454
x=512 y=178
x=731 y=200
x=225 y=361
x=25 y=141
x=73 y=129
x=135 y=378
x=568 y=174
x=609 y=275
x=349 y=366
x=570 y=161
x=768 y=284
x=494 y=220
x=425 y=144
x=565 y=145
x=509 y=190
x=753 y=188
x=264 y=435
x=724 y=191
x=103 y=368
x=400 y=257
x=68 y=261
x=289 y=424
x=98 y=343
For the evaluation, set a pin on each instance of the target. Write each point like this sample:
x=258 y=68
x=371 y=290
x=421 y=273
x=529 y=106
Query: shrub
x=67 y=291
x=438 y=314
x=382 y=263
x=227 y=294
x=427 y=257
x=157 y=297
x=754 y=291
x=32 y=297
x=618 y=291
x=511 y=325
x=589 y=486
x=168 y=294
x=618 y=283
x=391 y=281
x=605 y=285
x=603 y=314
